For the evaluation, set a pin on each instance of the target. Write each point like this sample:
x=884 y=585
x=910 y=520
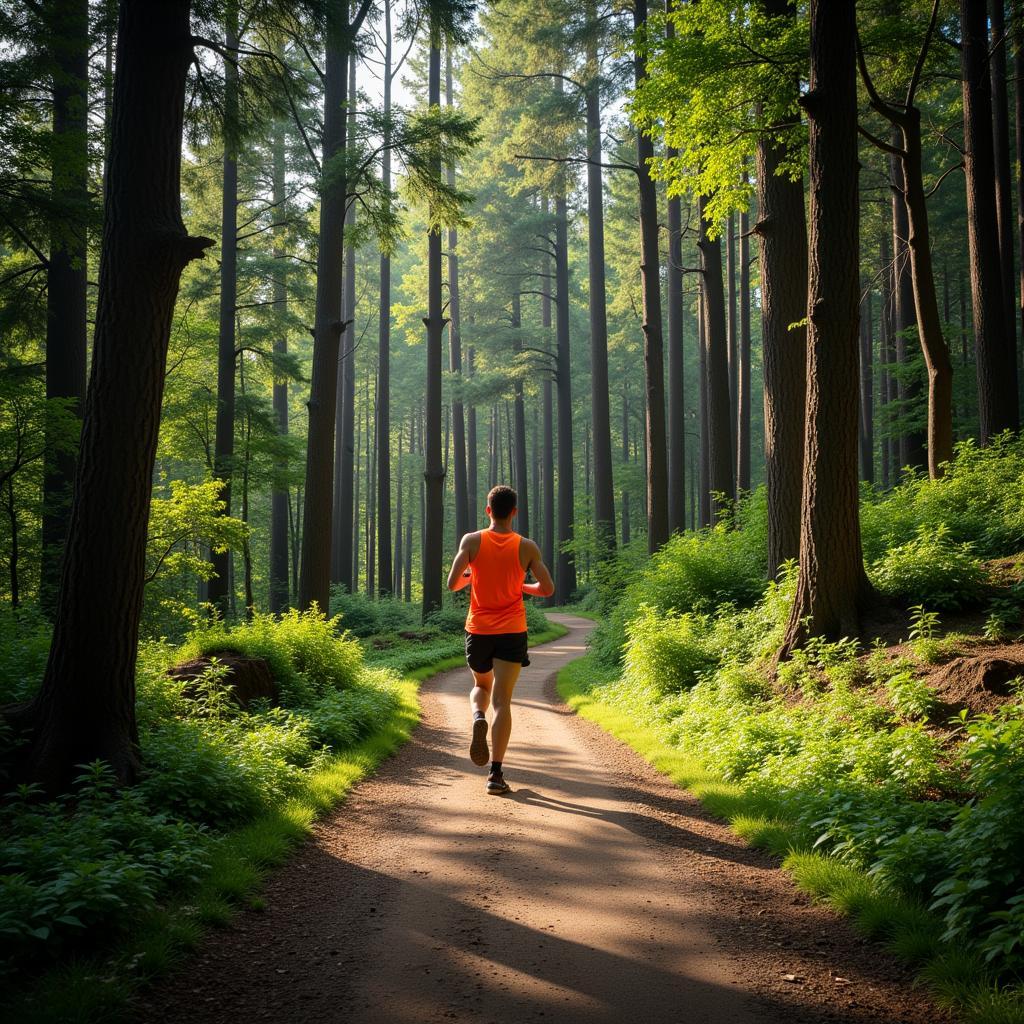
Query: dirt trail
x=595 y=892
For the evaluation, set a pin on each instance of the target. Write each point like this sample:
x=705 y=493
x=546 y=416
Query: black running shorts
x=483 y=648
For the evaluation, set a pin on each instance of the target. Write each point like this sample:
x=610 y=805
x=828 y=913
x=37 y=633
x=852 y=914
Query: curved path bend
x=595 y=892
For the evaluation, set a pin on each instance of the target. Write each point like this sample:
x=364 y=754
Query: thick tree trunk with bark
x=781 y=229
x=67 y=22
x=565 y=574
x=654 y=361
x=996 y=349
x=743 y=364
x=867 y=386
x=279 y=496
x=224 y=442
x=832 y=585
x=385 y=571
x=85 y=708
x=676 y=414
x=716 y=382
x=604 y=488
x=315 y=577
x=433 y=473
x=1001 y=158
x=519 y=415
x=344 y=500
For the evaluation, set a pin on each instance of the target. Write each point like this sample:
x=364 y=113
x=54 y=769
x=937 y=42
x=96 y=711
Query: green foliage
x=304 y=650
x=86 y=864
x=931 y=569
x=667 y=653
x=24 y=648
x=980 y=501
x=693 y=572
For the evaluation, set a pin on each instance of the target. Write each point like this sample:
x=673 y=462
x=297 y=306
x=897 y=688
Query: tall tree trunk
x=705 y=427
x=676 y=413
x=461 y=482
x=522 y=484
x=371 y=494
x=719 y=407
x=1017 y=23
x=85 y=707
x=732 y=347
x=832 y=585
x=67 y=23
x=534 y=469
x=279 y=495
x=743 y=364
x=433 y=474
x=625 y=463
x=565 y=575
x=224 y=444
x=472 y=465
x=996 y=349
x=356 y=506
x=385 y=571
x=396 y=581
x=600 y=410
x=867 y=389
x=548 y=446
x=1001 y=158
x=782 y=233
x=315 y=577
x=250 y=601
x=650 y=279
x=884 y=347
x=345 y=532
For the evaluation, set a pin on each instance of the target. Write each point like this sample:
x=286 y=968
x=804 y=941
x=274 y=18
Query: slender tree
x=996 y=350
x=67 y=25
x=315 y=576
x=565 y=574
x=743 y=363
x=224 y=445
x=832 y=585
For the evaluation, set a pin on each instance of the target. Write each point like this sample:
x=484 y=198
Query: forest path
x=595 y=892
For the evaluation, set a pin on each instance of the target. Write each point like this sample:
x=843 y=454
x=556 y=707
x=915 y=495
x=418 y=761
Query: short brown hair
x=502 y=501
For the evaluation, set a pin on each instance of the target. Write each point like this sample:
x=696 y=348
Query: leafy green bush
x=364 y=617
x=306 y=654
x=668 y=653
x=87 y=862
x=341 y=718
x=24 y=648
x=931 y=569
x=693 y=572
x=979 y=500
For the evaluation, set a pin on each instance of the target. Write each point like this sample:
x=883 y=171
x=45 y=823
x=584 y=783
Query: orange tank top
x=496 y=598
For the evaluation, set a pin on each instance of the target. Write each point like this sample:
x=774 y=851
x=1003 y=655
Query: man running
x=495 y=562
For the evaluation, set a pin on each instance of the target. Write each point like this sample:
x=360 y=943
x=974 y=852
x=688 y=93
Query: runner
x=495 y=562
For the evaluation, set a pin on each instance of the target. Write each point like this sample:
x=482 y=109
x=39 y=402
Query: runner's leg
x=505 y=675
x=480 y=695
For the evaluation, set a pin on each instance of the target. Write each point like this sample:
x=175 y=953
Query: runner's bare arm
x=544 y=587
x=458 y=576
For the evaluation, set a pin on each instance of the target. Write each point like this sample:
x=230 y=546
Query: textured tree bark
x=67 y=22
x=676 y=415
x=719 y=406
x=224 y=442
x=654 y=359
x=385 y=568
x=867 y=386
x=782 y=232
x=344 y=500
x=732 y=345
x=279 y=495
x=85 y=708
x=396 y=580
x=996 y=350
x=455 y=355
x=548 y=447
x=885 y=358
x=1017 y=23
x=433 y=473
x=1001 y=159
x=604 y=488
x=317 y=513
x=565 y=574
x=372 y=398
x=743 y=365
x=472 y=473
x=625 y=460
x=519 y=431
x=832 y=585
x=705 y=428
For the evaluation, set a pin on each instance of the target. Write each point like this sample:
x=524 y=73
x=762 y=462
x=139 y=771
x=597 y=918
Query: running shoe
x=496 y=784
x=479 y=752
